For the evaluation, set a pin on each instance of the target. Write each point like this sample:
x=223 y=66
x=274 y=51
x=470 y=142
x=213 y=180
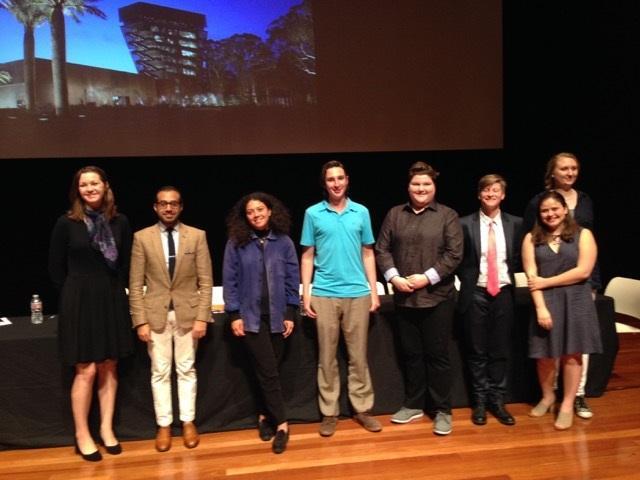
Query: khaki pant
x=351 y=315
x=172 y=342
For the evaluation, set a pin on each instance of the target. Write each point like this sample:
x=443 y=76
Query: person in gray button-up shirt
x=418 y=249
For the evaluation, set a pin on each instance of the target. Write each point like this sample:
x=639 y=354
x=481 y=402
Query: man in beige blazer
x=172 y=260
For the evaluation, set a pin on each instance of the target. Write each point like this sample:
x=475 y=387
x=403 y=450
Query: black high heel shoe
x=91 y=457
x=112 y=449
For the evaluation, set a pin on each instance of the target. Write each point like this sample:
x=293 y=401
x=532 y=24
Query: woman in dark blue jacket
x=261 y=293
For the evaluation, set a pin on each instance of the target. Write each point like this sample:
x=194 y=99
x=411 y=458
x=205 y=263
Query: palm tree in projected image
x=30 y=14
x=57 y=10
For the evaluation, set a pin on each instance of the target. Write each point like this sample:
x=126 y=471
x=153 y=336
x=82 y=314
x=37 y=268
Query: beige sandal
x=564 y=421
x=541 y=409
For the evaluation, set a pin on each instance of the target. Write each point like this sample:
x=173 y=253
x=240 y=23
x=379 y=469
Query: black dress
x=573 y=312
x=94 y=323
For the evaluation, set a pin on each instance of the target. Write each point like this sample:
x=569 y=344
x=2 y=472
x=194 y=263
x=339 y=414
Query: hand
x=536 y=283
x=199 y=329
x=307 y=310
x=237 y=327
x=418 y=280
x=544 y=318
x=288 y=328
x=401 y=284
x=144 y=332
x=375 y=302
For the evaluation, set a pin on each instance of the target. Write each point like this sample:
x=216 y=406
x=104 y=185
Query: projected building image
x=171 y=47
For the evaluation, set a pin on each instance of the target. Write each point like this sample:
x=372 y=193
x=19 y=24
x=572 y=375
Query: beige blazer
x=192 y=282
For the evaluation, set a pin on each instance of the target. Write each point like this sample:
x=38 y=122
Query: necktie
x=172 y=252
x=493 y=283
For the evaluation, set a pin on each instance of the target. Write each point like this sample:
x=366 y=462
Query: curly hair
x=238 y=228
x=540 y=234
x=76 y=212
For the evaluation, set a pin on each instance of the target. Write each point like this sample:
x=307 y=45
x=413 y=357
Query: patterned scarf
x=101 y=236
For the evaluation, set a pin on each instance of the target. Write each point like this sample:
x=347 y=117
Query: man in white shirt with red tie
x=492 y=243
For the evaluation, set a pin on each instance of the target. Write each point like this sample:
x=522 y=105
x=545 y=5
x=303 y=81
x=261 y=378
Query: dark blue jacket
x=242 y=280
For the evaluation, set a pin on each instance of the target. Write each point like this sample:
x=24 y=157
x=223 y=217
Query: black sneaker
x=279 y=444
x=581 y=408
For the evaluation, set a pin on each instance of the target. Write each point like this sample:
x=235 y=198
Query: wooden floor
x=605 y=447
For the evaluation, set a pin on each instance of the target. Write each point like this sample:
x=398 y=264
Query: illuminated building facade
x=168 y=45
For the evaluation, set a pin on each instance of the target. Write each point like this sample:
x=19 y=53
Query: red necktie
x=493 y=282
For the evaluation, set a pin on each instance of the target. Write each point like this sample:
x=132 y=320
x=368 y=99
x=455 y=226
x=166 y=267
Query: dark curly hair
x=238 y=228
x=540 y=234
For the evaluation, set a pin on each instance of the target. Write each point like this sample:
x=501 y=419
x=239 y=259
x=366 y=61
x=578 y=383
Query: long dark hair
x=76 y=212
x=238 y=228
x=540 y=234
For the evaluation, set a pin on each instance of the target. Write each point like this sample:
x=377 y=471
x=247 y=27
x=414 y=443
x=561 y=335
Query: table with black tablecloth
x=35 y=407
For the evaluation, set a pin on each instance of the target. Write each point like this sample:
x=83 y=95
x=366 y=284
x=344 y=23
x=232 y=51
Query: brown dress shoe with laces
x=163 y=439
x=190 y=435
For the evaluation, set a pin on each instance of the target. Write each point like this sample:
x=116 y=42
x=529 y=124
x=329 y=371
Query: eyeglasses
x=173 y=204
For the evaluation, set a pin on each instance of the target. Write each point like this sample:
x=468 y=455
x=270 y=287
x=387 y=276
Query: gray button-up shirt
x=428 y=242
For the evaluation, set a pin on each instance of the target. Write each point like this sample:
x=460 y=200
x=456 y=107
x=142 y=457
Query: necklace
x=556 y=239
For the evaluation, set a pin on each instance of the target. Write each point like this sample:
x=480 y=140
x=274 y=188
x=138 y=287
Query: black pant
x=266 y=351
x=424 y=335
x=487 y=324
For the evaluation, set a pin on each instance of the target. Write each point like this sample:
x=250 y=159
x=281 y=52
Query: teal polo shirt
x=338 y=239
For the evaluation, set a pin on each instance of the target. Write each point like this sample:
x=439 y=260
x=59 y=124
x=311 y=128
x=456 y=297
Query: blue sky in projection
x=100 y=43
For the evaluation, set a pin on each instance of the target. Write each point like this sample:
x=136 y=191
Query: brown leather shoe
x=190 y=435
x=163 y=439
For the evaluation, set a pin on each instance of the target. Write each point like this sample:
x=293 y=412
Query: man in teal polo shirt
x=337 y=242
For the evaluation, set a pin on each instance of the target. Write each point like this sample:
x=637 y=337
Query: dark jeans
x=266 y=350
x=424 y=335
x=487 y=324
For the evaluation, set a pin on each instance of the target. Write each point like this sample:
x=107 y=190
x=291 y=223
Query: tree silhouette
x=30 y=14
x=57 y=10
x=242 y=59
x=291 y=38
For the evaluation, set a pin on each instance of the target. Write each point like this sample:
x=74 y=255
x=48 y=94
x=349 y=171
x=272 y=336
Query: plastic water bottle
x=36 y=309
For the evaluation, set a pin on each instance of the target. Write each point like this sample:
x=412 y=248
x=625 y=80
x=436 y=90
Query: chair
x=217 y=300
x=626 y=295
x=521 y=279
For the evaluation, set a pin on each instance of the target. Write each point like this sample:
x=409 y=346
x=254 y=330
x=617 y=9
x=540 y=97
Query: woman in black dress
x=558 y=257
x=89 y=262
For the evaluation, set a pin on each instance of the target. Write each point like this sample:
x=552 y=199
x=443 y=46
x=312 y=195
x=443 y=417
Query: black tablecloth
x=34 y=393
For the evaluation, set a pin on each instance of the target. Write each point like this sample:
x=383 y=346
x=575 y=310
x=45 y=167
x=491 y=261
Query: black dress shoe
x=90 y=457
x=504 y=417
x=265 y=430
x=112 y=449
x=479 y=415
x=279 y=444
